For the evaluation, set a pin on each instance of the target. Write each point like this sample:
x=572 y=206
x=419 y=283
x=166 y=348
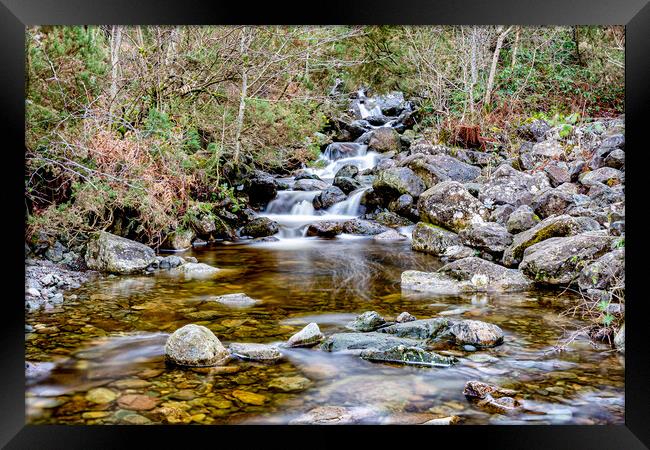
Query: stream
x=111 y=332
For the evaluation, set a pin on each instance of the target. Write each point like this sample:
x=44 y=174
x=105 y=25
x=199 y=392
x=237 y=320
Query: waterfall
x=349 y=207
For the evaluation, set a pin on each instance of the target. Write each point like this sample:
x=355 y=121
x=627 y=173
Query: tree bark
x=493 y=69
x=116 y=41
x=243 y=48
x=515 y=48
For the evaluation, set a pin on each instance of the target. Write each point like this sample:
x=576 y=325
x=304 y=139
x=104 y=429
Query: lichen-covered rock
x=534 y=130
x=555 y=226
x=619 y=339
x=260 y=227
x=417 y=329
x=363 y=227
x=476 y=333
x=196 y=346
x=552 y=202
x=325 y=228
x=490 y=398
x=255 y=352
x=605 y=273
x=390 y=219
x=106 y=252
x=488 y=236
x=404 y=205
x=348 y=170
x=390 y=235
x=195 y=270
x=307 y=184
x=444 y=168
x=408 y=355
x=522 y=219
x=605 y=175
x=405 y=317
x=501 y=213
x=616 y=159
x=509 y=186
x=396 y=181
x=558 y=172
x=432 y=239
x=467 y=275
x=368 y=321
x=328 y=197
x=428 y=173
x=355 y=342
x=450 y=205
x=347 y=184
x=307 y=337
x=384 y=139
x=559 y=260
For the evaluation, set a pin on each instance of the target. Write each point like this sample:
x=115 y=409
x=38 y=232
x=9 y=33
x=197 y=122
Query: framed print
x=378 y=215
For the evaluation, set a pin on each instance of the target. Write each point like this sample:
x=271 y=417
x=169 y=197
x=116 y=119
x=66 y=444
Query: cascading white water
x=349 y=207
x=338 y=155
x=363 y=103
x=293 y=203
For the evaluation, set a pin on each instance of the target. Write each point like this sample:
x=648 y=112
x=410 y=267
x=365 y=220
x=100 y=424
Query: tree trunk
x=243 y=48
x=493 y=69
x=116 y=41
x=515 y=48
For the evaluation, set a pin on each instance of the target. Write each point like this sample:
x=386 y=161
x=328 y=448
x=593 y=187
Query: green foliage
x=158 y=124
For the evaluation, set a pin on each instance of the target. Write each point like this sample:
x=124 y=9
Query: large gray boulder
x=432 y=239
x=450 y=205
x=428 y=173
x=107 y=252
x=559 y=260
x=556 y=226
x=450 y=167
x=509 y=186
x=261 y=187
x=178 y=240
x=552 y=202
x=395 y=181
x=476 y=333
x=605 y=273
x=260 y=227
x=328 y=197
x=308 y=184
x=467 y=275
x=522 y=219
x=605 y=175
x=196 y=346
x=384 y=140
x=363 y=227
x=325 y=228
x=488 y=236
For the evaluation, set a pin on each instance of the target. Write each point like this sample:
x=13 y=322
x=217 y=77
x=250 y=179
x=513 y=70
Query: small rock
x=239 y=299
x=137 y=402
x=249 y=398
x=368 y=321
x=289 y=384
x=405 y=317
x=100 y=395
x=307 y=337
x=195 y=345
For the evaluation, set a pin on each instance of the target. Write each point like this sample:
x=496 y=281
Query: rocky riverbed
x=370 y=289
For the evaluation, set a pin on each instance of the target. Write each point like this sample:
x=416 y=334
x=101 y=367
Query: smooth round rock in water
x=195 y=346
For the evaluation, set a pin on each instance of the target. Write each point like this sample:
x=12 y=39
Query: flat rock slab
x=255 y=352
x=408 y=355
x=417 y=329
x=355 y=342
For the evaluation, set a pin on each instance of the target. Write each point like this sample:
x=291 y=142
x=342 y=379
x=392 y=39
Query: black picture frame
x=16 y=14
